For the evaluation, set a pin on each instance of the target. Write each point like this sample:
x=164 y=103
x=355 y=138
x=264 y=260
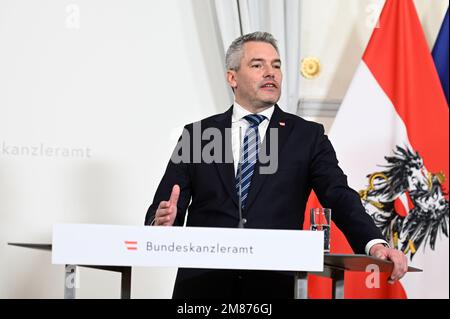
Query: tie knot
x=255 y=119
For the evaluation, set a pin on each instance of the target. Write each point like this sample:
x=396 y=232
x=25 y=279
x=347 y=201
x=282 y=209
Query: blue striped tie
x=249 y=156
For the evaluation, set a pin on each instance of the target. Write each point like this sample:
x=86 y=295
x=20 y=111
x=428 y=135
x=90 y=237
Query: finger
x=162 y=220
x=175 y=195
x=399 y=267
x=404 y=266
x=162 y=212
x=162 y=208
x=405 y=270
x=165 y=221
x=164 y=204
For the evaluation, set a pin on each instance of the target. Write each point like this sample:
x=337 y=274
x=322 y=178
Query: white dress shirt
x=239 y=126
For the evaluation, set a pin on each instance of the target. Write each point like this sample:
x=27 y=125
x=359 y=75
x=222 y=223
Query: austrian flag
x=391 y=136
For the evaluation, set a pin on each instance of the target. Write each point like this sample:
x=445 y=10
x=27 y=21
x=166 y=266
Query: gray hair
x=234 y=52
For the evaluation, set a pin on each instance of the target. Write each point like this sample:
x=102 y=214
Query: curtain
x=281 y=18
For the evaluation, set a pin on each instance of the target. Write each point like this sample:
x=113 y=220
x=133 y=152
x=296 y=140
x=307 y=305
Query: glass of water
x=321 y=221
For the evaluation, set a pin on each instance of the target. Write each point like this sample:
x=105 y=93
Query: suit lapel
x=226 y=169
x=284 y=125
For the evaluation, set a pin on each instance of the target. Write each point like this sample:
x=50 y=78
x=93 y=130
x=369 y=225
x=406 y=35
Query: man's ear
x=231 y=79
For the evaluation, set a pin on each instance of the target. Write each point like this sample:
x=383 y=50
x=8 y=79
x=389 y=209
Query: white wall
x=119 y=87
x=117 y=80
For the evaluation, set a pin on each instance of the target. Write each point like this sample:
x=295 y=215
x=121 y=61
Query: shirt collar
x=239 y=112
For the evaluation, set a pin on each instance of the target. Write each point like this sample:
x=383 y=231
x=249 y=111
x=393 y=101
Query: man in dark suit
x=238 y=193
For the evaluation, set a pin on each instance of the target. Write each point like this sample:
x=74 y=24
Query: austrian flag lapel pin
x=282 y=123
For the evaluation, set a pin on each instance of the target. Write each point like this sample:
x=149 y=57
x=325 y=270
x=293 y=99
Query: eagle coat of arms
x=407 y=202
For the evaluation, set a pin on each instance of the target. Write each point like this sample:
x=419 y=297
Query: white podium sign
x=188 y=247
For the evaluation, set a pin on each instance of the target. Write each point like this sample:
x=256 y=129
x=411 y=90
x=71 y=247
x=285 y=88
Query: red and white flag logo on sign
x=131 y=245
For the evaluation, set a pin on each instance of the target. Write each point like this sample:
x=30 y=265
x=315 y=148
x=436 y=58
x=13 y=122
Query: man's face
x=257 y=84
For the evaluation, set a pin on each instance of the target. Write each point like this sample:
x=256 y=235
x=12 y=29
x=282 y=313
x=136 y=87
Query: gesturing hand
x=167 y=210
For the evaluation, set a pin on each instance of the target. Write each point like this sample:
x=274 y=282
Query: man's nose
x=270 y=72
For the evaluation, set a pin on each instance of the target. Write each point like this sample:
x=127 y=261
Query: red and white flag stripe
x=131 y=245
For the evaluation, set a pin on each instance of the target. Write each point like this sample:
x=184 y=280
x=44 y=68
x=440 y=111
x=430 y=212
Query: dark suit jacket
x=306 y=161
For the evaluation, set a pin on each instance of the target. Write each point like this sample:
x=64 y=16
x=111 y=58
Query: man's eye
x=256 y=66
x=277 y=66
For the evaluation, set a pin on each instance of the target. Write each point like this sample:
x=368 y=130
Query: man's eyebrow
x=262 y=60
